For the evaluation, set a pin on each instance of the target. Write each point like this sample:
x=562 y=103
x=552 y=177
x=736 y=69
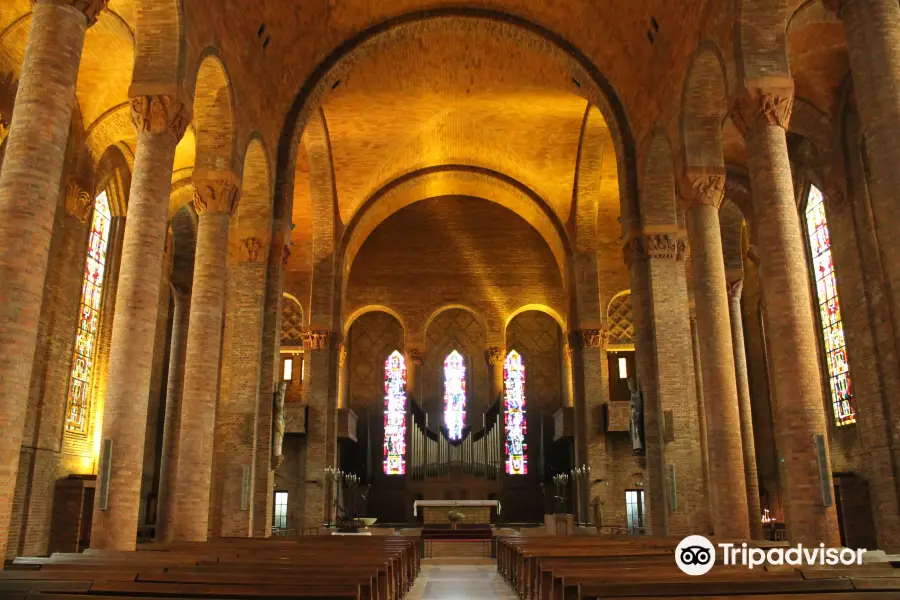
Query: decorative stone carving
x=567 y=353
x=763 y=107
x=90 y=8
x=494 y=356
x=654 y=245
x=318 y=340
x=217 y=195
x=591 y=338
x=279 y=426
x=735 y=288
x=78 y=201
x=416 y=356
x=160 y=114
x=704 y=188
x=342 y=355
x=253 y=246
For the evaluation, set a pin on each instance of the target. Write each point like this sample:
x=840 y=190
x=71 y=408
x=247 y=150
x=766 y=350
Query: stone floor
x=460 y=579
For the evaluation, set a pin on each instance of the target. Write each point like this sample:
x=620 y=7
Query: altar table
x=475 y=511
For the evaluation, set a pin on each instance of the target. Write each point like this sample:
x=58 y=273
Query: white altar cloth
x=347 y=533
x=452 y=503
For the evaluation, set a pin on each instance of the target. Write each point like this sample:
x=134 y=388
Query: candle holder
x=580 y=476
x=560 y=482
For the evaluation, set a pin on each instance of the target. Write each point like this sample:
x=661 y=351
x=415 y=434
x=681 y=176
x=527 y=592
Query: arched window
x=455 y=394
x=89 y=317
x=842 y=400
x=514 y=382
x=395 y=414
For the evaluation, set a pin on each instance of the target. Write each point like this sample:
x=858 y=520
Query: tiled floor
x=460 y=579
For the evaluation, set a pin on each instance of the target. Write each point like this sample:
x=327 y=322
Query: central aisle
x=460 y=579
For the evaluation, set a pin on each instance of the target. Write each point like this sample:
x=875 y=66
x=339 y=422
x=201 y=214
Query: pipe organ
x=432 y=454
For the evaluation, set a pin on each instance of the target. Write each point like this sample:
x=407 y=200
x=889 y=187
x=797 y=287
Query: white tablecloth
x=360 y=533
x=448 y=504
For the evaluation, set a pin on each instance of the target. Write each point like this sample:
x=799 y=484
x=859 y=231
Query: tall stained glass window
x=395 y=414
x=89 y=316
x=516 y=449
x=455 y=394
x=842 y=400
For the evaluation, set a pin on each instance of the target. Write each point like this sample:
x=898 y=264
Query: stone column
x=762 y=115
x=567 y=392
x=160 y=123
x=214 y=201
x=663 y=350
x=172 y=426
x=237 y=415
x=495 y=358
x=744 y=403
x=703 y=196
x=321 y=442
x=414 y=359
x=701 y=407
x=344 y=377
x=29 y=188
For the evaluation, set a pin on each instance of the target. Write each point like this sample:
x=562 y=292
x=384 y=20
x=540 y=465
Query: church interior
x=371 y=285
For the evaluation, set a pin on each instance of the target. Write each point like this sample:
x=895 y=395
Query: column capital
x=215 y=194
x=763 y=104
x=416 y=356
x=252 y=245
x=161 y=113
x=702 y=186
x=590 y=338
x=78 y=200
x=567 y=352
x=318 y=340
x=646 y=246
x=91 y=9
x=735 y=288
x=494 y=356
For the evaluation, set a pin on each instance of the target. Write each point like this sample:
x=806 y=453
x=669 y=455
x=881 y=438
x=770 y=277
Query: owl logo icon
x=695 y=555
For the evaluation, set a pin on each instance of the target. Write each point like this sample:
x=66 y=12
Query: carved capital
x=78 y=201
x=416 y=356
x=703 y=188
x=160 y=114
x=591 y=338
x=215 y=195
x=654 y=246
x=494 y=356
x=89 y=8
x=763 y=107
x=567 y=353
x=735 y=288
x=253 y=246
x=318 y=340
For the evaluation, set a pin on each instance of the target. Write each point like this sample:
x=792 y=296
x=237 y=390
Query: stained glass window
x=395 y=414
x=89 y=316
x=842 y=400
x=455 y=394
x=516 y=448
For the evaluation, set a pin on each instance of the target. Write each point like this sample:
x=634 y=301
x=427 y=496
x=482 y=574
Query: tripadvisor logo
x=696 y=555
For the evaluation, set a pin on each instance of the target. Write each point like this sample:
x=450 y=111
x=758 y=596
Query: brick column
x=29 y=189
x=703 y=196
x=344 y=377
x=663 y=350
x=701 y=407
x=414 y=359
x=494 y=357
x=762 y=114
x=236 y=419
x=744 y=403
x=321 y=440
x=160 y=122
x=595 y=374
x=567 y=392
x=172 y=426
x=214 y=201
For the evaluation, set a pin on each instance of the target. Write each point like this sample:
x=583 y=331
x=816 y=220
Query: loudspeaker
x=105 y=471
x=825 y=481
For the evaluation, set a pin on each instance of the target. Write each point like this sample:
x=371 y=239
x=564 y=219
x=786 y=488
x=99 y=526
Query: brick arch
x=560 y=320
x=437 y=312
x=588 y=80
x=213 y=117
x=293 y=321
x=703 y=108
x=620 y=320
x=657 y=184
x=254 y=212
x=359 y=312
x=159 y=47
x=458 y=180
x=760 y=38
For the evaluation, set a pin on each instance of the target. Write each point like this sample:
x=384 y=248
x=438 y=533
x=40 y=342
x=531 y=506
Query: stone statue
x=278 y=433
x=636 y=427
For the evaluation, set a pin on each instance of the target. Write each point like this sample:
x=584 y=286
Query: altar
x=475 y=512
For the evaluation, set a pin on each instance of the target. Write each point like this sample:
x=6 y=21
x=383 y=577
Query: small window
x=288 y=369
x=280 y=516
x=634 y=511
x=302 y=368
x=623 y=368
